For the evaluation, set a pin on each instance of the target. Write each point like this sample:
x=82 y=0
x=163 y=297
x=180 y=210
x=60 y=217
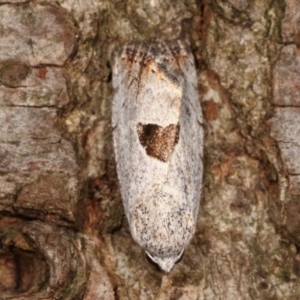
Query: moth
x=158 y=142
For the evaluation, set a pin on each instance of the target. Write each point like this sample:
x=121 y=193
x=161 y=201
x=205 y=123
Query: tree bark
x=63 y=233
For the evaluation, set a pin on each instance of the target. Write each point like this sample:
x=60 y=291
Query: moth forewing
x=158 y=142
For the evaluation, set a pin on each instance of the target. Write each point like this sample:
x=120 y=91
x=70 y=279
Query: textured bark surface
x=63 y=234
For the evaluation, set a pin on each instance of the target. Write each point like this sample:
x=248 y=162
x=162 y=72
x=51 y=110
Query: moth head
x=166 y=263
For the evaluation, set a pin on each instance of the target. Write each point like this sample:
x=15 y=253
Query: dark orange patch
x=158 y=141
x=222 y=169
x=210 y=110
x=42 y=73
x=204 y=20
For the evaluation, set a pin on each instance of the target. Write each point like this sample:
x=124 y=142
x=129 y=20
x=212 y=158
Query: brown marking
x=42 y=73
x=158 y=141
x=12 y=73
x=176 y=50
x=145 y=54
x=139 y=53
x=210 y=110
